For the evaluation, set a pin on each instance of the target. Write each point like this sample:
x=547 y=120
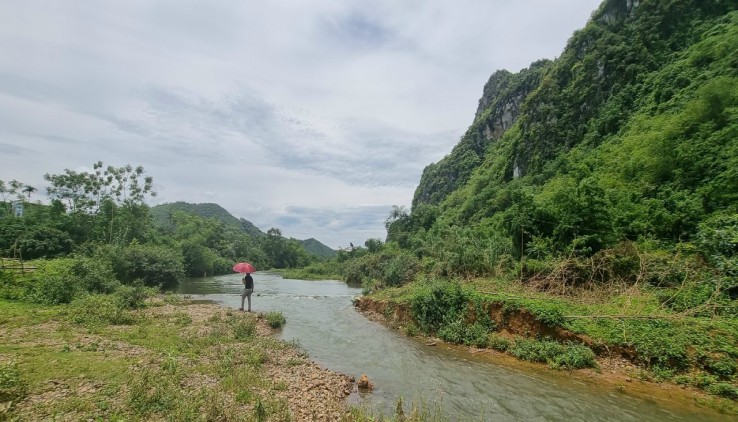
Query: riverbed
x=463 y=386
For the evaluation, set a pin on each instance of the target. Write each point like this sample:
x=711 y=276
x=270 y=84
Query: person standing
x=248 y=288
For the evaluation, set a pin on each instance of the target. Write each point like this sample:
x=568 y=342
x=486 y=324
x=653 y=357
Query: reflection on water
x=321 y=317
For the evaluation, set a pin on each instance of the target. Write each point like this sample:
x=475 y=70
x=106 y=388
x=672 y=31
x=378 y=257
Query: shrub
x=723 y=366
x=412 y=330
x=243 y=329
x=575 y=356
x=660 y=343
x=400 y=269
x=390 y=268
x=723 y=389
x=134 y=296
x=452 y=332
x=12 y=386
x=275 y=319
x=99 y=310
x=547 y=312
x=497 y=342
x=44 y=242
x=95 y=275
x=687 y=297
x=53 y=283
x=558 y=355
x=155 y=266
x=11 y=287
x=438 y=303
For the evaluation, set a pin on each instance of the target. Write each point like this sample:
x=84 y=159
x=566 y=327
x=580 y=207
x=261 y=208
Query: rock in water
x=364 y=384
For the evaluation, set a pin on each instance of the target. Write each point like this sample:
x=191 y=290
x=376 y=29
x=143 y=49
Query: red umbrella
x=244 y=267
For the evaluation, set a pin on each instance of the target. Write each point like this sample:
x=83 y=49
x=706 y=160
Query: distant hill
x=314 y=247
x=161 y=214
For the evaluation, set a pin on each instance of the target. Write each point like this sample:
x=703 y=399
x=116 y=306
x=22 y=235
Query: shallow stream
x=321 y=317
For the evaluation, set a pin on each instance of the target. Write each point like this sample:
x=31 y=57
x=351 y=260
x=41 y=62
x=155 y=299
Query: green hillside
x=162 y=212
x=591 y=209
x=631 y=134
x=314 y=247
x=161 y=215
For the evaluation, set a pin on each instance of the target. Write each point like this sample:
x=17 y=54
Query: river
x=321 y=318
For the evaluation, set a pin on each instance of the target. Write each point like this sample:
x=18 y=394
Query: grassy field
x=171 y=360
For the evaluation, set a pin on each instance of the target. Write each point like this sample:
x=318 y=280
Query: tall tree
x=28 y=189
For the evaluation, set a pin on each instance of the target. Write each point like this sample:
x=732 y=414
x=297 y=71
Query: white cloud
x=281 y=111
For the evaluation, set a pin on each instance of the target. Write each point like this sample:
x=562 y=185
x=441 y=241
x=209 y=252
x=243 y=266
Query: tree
x=114 y=197
x=9 y=192
x=28 y=189
x=374 y=245
x=86 y=192
x=397 y=224
x=284 y=253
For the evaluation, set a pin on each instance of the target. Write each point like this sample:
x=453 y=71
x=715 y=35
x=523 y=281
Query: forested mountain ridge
x=631 y=133
x=161 y=214
x=162 y=218
x=315 y=247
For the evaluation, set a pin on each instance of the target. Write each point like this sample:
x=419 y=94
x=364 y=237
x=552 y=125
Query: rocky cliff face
x=617 y=112
x=499 y=108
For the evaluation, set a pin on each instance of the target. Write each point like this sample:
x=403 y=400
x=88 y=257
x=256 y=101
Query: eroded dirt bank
x=616 y=366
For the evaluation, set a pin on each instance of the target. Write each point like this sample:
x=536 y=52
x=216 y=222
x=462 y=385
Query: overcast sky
x=313 y=116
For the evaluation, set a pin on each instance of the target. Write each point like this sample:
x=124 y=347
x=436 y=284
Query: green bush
x=44 y=242
x=687 y=297
x=155 y=266
x=460 y=332
x=723 y=366
x=438 y=303
x=575 y=356
x=12 y=386
x=548 y=312
x=723 y=389
x=366 y=266
x=99 y=310
x=11 y=287
x=243 y=328
x=95 y=274
x=660 y=343
x=53 y=283
x=275 y=319
x=498 y=343
x=134 y=296
x=558 y=355
x=453 y=332
x=411 y=329
x=400 y=269
x=389 y=268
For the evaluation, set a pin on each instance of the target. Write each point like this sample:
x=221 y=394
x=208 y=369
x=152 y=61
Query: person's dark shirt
x=249 y=281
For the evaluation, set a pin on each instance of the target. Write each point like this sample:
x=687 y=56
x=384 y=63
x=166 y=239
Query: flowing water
x=321 y=317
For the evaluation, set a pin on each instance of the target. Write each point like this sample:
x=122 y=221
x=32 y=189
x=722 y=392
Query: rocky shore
x=312 y=393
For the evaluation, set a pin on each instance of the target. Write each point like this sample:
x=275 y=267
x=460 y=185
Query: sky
x=312 y=116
